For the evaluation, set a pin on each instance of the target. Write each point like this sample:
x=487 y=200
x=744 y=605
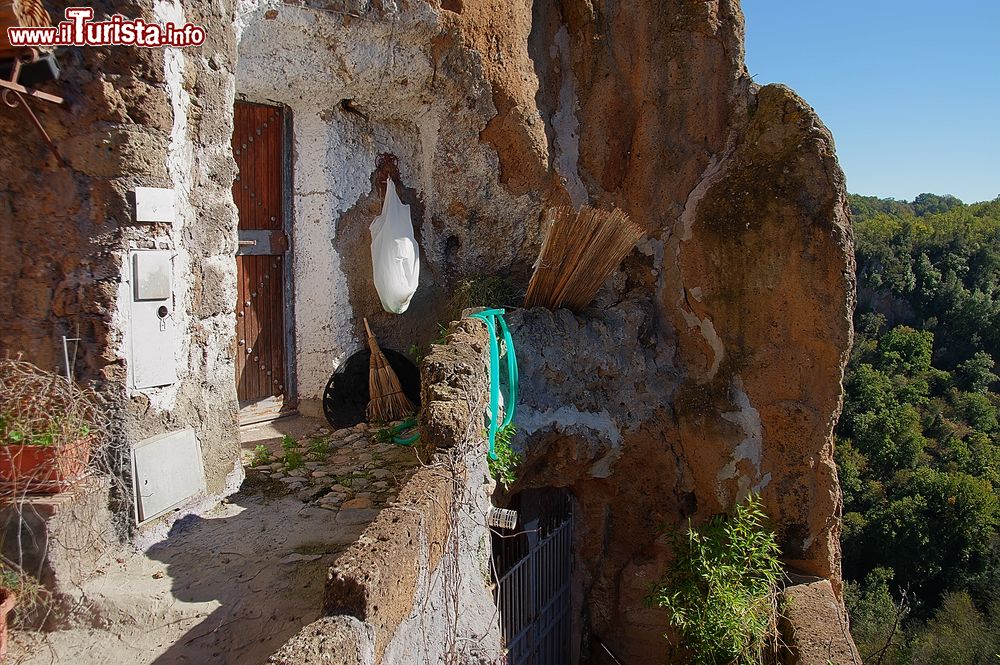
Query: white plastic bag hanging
x=395 y=257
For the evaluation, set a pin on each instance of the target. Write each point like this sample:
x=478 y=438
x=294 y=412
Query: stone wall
x=133 y=117
x=416 y=587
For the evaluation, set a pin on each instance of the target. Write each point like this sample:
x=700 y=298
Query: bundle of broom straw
x=20 y=13
x=580 y=250
x=386 y=399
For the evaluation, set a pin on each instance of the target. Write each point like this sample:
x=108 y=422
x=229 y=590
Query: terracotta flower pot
x=7 y=600
x=44 y=469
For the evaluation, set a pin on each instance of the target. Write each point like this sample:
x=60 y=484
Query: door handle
x=246 y=243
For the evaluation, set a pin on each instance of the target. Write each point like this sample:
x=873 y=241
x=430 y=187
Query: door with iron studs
x=258 y=148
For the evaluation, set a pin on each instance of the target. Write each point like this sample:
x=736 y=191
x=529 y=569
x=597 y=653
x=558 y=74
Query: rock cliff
x=709 y=367
x=712 y=367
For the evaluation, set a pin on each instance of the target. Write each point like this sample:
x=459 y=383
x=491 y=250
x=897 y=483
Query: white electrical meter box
x=152 y=329
x=168 y=472
x=155 y=204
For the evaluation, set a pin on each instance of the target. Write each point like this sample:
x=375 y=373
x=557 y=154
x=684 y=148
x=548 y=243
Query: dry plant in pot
x=19 y=589
x=48 y=428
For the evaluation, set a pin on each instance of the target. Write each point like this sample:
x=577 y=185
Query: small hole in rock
x=350 y=106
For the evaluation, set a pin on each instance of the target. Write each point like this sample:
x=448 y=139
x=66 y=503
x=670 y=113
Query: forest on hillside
x=918 y=443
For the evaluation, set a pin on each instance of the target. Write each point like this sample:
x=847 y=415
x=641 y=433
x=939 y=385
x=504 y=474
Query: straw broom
x=580 y=250
x=387 y=402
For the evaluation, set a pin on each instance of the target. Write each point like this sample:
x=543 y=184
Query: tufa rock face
x=710 y=365
x=762 y=292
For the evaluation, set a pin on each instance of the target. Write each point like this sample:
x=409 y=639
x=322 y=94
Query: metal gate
x=533 y=597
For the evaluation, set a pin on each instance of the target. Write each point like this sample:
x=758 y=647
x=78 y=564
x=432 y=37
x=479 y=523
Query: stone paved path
x=349 y=471
x=231 y=585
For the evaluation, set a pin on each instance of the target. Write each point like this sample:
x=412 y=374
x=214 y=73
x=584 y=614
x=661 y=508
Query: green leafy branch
x=504 y=467
x=722 y=589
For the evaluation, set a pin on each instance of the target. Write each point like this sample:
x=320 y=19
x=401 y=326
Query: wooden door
x=261 y=376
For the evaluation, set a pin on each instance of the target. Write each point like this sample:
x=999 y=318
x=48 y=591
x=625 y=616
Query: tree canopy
x=919 y=441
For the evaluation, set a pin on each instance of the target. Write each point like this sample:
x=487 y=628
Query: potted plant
x=48 y=427
x=22 y=590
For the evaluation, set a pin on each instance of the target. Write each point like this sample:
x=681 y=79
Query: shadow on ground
x=262 y=564
x=230 y=586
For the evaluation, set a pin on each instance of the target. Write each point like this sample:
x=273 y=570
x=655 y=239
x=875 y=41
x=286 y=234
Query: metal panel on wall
x=168 y=471
x=152 y=331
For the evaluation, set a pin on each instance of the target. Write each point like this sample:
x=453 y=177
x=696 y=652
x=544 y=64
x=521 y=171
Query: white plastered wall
x=308 y=61
x=425 y=108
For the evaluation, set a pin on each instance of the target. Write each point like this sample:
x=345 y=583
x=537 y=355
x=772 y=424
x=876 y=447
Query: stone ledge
x=815 y=625
x=376 y=580
x=454 y=380
x=337 y=640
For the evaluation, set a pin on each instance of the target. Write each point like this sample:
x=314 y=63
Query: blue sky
x=909 y=88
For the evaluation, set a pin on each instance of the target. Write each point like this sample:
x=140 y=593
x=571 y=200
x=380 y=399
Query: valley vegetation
x=918 y=443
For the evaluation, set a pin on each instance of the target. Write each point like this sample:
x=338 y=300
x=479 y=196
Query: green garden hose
x=402 y=427
x=491 y=317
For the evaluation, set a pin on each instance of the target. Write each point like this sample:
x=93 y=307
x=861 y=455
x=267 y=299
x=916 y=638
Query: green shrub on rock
x=504 y=467
x=722 y=589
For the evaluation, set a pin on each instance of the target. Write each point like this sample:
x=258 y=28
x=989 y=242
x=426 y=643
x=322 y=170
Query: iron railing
x=533 y=597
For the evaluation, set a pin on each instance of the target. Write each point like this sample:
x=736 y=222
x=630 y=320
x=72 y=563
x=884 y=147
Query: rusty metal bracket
x=386 y=167
x=14 y=94
x=30 y=92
